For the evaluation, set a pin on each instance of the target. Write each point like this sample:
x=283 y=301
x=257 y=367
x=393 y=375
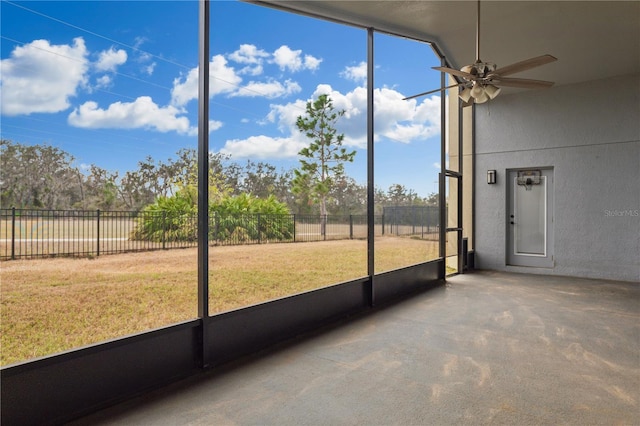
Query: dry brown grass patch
x=51 y=305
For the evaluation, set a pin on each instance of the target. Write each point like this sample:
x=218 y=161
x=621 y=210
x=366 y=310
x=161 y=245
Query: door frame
x=457 y=178
x=533 y=260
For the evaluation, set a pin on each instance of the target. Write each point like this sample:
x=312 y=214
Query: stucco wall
x=590 y=135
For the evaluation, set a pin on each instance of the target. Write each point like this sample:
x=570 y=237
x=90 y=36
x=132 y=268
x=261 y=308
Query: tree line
x=47 y=177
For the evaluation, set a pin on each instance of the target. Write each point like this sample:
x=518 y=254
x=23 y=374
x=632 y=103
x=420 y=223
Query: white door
x=530 y=218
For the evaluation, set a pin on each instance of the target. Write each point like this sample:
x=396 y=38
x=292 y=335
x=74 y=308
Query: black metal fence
x=28 y=233
x=410 y=219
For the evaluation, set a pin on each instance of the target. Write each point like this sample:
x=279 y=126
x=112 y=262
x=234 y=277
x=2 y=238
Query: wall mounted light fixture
x=491 y=177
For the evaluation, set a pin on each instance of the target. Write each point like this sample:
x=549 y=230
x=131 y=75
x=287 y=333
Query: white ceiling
x=591 y=39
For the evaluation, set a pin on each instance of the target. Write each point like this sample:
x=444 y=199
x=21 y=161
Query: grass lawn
x=52 y=305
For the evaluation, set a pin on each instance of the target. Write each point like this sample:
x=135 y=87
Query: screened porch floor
x=487 y=348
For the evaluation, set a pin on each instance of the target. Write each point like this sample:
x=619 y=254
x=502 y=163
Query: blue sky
x=113 y=82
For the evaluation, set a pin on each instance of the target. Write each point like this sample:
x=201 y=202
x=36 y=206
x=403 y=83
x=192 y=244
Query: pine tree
x=323 y=160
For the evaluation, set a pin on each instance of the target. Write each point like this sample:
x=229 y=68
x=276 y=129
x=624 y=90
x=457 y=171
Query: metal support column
x=442 y=199
x=461 y=253
x=13 y=233
x=203 y=174
x=473 y=176
x=370 y=164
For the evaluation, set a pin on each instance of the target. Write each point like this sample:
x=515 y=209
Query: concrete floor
x=489 y=348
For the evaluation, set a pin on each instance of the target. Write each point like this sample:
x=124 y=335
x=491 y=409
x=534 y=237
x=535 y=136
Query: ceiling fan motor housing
x=479 y=69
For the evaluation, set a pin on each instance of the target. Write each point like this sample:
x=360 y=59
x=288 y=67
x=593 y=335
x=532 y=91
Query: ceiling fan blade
x=455 y=72
x=525 y=65
x=431 y=91
x=522 y=83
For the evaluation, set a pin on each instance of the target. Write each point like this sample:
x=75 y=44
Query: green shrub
x=244 y=218
x=169 y=218
x=234 y=219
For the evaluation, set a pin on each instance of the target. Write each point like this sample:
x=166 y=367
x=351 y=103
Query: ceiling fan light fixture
x=492 y=91
x=465 y=95
x=482 y=98
x=477 y=90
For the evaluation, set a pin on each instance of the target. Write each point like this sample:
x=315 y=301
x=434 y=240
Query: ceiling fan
x=481 y=80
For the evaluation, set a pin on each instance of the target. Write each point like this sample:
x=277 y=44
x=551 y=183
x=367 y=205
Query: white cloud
x=263 y=147
x=149 y=68
x=253 y=70
x=109 y=60
x=252 y=57
x=185 y=90
x=311 y=62
x=143 y=57
x=248 y=54
x=285 y=116
x=214 y=125
x=142 y=113
x=429 y=110
x=270 y=89
x=406 y=121
x=223 y=79
x=139 y=41
x=41 y=77
x=356 y=73
x=102 y=82
x=292 y=60
x=287 y=58
x=407 y=132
